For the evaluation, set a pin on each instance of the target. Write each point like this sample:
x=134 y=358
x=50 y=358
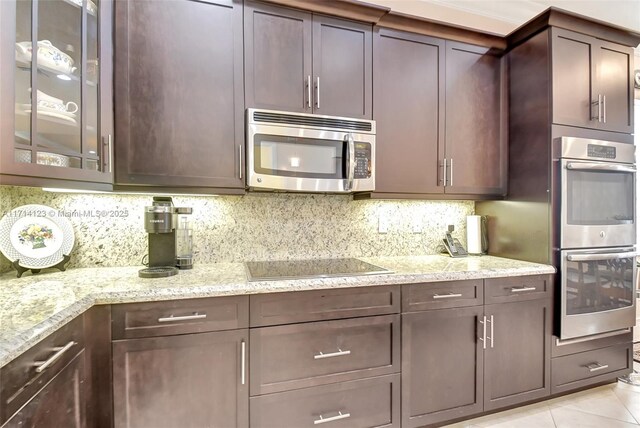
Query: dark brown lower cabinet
x=518 y=354
x=61 y=403
x=461 y=361
x=441 y=365
x=364 y=403
x=191 y=380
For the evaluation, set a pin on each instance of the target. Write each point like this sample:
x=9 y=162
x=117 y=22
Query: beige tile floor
x=609 y=406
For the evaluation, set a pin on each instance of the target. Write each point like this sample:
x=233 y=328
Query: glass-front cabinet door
x=57 y=108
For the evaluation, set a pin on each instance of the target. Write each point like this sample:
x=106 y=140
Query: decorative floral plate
x=37 y=235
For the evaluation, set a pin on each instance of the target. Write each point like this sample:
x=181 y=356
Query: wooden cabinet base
x=61 y=403
x=372 y=402
x=591 y=367
x=189 y=381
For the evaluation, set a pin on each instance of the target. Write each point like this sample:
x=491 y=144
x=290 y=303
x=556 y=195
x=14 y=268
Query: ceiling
x=503 y=16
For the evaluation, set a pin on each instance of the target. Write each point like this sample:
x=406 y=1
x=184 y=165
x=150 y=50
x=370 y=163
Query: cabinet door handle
x=318 y=92
x=324 y=420
x=483 y=339
x=491 y=332
x=594 y=367
x=43 y=365
x=604 y=108
x=309 y=91
x=599 y=103
x=240 y=160
x=171 y=318
x=521 y=289
x=340 y=353
x=243 y=364
x=446 y=296
x=451 y=172
x=444 y=172
x=110 y=151
x=107 y=153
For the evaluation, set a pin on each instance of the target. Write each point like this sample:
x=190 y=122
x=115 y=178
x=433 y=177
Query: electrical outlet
x=416 y=224
x=383 y=222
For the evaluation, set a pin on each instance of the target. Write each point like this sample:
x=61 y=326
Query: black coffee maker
x=169 y=238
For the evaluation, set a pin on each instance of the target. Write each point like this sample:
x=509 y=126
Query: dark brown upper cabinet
x=440 y=116
x=408 y=76
x=475 y=117
x=179 y=106
x=592 y=82
x=303 y=62
x=67 y=141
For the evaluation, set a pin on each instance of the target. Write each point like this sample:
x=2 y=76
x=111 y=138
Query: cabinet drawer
x=304 y=355
x=26 y=375
x=440 y=295
x=317 y=305
x=149 y=319
x=578 y=370
x=373 y=402
x=513 y=289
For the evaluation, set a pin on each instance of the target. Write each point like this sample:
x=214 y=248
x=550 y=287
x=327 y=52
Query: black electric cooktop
x=319 y=268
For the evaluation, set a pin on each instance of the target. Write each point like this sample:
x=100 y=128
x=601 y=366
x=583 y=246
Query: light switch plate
x=416 y=224
x=383 y=222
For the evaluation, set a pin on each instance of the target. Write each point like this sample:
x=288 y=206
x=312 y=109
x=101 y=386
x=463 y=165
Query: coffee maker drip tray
x=318 y=268
x=158 y=272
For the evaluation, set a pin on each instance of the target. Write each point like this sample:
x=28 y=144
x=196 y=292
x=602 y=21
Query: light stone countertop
x=34 y=306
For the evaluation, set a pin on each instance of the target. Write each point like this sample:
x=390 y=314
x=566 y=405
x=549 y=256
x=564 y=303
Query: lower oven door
x=597 y=291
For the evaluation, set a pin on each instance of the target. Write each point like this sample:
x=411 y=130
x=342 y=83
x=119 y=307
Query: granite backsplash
x=257 y=226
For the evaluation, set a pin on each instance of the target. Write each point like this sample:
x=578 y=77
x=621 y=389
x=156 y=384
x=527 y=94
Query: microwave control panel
x=363 y=160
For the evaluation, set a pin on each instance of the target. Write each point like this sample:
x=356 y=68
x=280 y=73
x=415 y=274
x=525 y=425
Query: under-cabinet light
x=63 y=77
x=115 y=192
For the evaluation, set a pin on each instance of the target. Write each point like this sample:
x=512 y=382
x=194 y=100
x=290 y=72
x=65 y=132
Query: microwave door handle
x=351 y=161
x=600 y=256
x=586 y=166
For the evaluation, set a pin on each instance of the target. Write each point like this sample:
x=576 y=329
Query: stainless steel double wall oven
x=596 y=256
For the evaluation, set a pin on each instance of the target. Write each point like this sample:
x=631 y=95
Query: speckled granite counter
x=33 y=307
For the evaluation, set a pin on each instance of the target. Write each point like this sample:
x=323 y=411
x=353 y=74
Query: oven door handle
x=587 y=166
x=351 y=161
x=600 y=256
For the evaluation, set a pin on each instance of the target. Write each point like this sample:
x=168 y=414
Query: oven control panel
x=363 y=160
x=603 y=152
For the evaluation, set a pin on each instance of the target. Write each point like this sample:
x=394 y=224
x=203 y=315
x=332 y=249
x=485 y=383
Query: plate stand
x=20 y=270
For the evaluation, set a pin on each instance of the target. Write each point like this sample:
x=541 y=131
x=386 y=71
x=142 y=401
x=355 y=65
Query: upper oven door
x=309 y=160
x=598 y=204
x=598 y=291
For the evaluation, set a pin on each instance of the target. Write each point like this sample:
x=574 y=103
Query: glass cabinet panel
x=23 y=80
x=57 y=71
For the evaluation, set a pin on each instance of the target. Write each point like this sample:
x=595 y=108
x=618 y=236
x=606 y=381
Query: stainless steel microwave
x=309 y=153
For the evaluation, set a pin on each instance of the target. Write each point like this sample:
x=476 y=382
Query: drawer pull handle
x=43 y=365
x=171 y=318
x=522 y=289
x=446 y=296
x=340 y=353
x=597 y=366
x=337 y=417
